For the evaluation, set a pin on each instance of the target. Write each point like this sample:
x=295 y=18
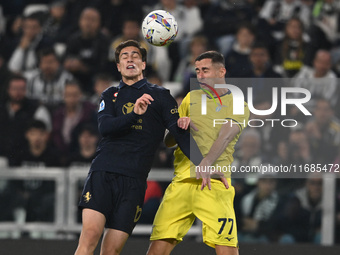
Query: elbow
x=103 y=131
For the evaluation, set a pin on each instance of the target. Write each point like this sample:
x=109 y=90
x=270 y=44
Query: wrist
x=135 y=115
x=207 y=161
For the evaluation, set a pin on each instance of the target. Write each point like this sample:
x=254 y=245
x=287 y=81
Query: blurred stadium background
x=56 y=58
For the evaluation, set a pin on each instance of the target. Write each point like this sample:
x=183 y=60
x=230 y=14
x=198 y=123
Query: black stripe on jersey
x=235 y=122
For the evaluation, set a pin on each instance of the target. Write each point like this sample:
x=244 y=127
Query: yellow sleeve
x=183 y=109
x=240 y=120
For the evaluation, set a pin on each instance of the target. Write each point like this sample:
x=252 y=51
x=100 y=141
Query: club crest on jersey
x=128 y=107
x=87 y=197
x=101 y=106
x=219 y=107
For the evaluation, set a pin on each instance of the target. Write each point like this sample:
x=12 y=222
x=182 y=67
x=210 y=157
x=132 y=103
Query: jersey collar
x=136 y=85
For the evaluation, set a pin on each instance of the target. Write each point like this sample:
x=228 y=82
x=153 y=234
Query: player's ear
x=143 y=65
x=118 y=67
x=223 y=72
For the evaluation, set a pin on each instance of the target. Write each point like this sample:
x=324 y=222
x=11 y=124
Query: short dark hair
x=38 y=124
x=129 y=43
x=45 y=52
x=216 y=57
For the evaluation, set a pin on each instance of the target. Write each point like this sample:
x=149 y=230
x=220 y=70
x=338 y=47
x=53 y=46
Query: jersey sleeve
x=183 y=109
x=108 y=122
x=183 y=138
x=242 y=119
x=169 y=109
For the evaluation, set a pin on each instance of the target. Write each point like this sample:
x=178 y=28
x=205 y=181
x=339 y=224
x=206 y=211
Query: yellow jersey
x=208 y=126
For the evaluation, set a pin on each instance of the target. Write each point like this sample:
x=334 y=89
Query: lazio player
x=185 y=198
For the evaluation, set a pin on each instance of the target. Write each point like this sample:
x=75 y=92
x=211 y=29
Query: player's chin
x=130 y=75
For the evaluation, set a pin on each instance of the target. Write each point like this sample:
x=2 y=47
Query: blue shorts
x=120 y=198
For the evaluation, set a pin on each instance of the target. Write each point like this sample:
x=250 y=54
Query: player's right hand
x=142 y=103
x=184 y=123
x=203 y=172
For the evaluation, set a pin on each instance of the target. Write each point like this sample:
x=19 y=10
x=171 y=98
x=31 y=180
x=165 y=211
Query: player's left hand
x=184 y=123
x=204 y=171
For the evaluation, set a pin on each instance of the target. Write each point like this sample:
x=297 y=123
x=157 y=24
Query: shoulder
x=194 y=94
x=156 y=87
x=158 y=90
x=110 y=91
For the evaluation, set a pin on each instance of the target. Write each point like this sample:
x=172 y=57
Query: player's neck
x=132 y=80
x=222 y=91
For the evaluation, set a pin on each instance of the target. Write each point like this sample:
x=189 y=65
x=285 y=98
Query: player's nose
x=200 y=76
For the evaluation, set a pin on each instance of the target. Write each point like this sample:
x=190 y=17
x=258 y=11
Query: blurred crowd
x=57 y=57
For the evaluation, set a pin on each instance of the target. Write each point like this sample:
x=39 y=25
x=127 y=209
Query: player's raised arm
x=178 y=135
x=169 y=140
x=183 y=123
x=109 y=123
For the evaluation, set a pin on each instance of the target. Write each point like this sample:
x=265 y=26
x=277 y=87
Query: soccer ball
x=159 y=28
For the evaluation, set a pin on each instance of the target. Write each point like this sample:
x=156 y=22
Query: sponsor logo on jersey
x=173 y=111
x=128 y=107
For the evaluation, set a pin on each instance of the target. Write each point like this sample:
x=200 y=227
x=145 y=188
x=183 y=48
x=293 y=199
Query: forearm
x=109 y=125
x=226 y=135
x=216 y=150
x=169 y=140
